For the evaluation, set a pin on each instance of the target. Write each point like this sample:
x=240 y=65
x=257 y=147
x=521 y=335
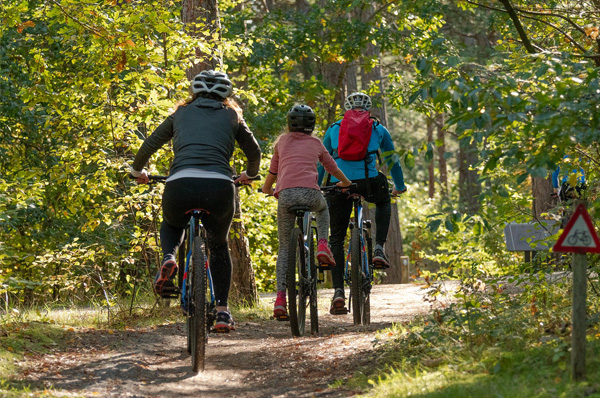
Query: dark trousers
x=567 y=192
x=374 y=190
x=217 y=197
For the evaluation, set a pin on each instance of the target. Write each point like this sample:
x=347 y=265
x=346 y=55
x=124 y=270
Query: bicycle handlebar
x=336 y=188
x=159 y=178
x=327 y=190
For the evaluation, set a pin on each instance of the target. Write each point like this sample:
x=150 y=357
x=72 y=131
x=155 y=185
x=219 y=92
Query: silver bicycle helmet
x=212 y=82
x=358 y=100
x=301 y=118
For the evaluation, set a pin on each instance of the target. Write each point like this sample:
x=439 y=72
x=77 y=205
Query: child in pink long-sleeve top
x=294 y=167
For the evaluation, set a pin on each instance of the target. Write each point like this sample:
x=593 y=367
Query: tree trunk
x=468 y=184
x=431 y=166
x=203 y=12
x=351 y=84
x=443 y=167
x=243 y=286
x=243 y=283
x=333 y=75
x=541 y=189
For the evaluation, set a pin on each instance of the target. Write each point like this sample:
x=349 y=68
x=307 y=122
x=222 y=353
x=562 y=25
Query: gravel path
x=260 y=359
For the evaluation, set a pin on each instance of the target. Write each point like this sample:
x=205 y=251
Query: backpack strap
x=368 y=155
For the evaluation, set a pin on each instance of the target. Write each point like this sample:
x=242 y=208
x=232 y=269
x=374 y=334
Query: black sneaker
x=338 y=303
x=163 y=283
x=224 y=322
x=380 y=260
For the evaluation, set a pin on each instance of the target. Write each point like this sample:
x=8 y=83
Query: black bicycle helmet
x=212 y=82
x=301 y=118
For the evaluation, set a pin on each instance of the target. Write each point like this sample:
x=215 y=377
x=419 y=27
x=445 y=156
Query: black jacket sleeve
x=250 y=147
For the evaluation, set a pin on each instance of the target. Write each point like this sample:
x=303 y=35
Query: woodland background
x=483 y=100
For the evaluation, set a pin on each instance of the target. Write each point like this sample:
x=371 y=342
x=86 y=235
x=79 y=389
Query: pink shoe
x=324 y=255
x=280 y=309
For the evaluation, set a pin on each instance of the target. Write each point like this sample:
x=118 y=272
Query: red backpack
x=355 y=133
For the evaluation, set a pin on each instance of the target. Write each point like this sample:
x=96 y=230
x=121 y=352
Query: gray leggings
x=285 y=222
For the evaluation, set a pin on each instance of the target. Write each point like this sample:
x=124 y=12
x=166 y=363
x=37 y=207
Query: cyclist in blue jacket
x=571 y=184
x=371 y=184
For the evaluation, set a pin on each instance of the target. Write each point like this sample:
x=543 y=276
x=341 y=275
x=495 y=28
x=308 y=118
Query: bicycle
x=358 y=271
x=303 y=273
x=195 y=287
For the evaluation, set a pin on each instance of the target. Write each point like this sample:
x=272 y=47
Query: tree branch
x=82 y=24
x=551 y=14
x=517 y=23
x=562 y=32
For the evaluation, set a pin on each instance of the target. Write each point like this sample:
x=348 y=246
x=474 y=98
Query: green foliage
x=510 y=336
x=85 y=82
x=260 y=220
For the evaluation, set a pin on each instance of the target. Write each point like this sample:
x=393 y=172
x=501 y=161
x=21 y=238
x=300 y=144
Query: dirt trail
x=257 y=360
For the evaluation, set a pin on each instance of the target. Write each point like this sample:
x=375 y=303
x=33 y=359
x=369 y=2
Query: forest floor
x=259 y=359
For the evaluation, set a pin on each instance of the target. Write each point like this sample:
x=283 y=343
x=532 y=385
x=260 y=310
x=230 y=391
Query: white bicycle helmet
x=358 y=100
x=212 y=82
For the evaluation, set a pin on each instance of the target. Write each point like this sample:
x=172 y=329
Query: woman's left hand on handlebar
x=243 y=179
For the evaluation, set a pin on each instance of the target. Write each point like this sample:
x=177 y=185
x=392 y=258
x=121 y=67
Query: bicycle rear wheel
x=295 y=278
x=366 y=310
x=312 y=279
x=356 y=274
x=197 y=313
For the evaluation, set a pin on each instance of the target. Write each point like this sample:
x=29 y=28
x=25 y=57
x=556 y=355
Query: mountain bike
x=195 y=287
x=358 y=271
x=301 y=276
x=303 y=272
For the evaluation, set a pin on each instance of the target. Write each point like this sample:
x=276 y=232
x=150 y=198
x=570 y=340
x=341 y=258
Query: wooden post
x=404 y=269
x=579 y=316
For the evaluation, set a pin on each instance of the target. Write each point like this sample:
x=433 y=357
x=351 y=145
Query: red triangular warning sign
x=579 y=235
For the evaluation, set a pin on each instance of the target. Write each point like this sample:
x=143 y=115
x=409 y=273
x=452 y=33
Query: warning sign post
x=579 y=237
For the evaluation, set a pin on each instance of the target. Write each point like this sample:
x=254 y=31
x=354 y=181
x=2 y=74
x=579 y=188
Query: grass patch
x=21 y=339
x=487 y=344
x=44 y=330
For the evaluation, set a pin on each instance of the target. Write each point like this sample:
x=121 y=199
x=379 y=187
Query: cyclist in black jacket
x=204 y=132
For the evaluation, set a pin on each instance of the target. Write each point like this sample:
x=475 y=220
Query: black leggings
x=374 y=190
x=567 y=192
x=217 y=197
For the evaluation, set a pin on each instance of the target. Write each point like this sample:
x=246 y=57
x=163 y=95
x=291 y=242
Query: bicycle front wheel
x=356 y=275
x=312 y=280
x=197 y=314
x=295 y=281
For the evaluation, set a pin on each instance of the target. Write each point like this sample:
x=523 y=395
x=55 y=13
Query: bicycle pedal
x=170 y=293
x=325 y=267
x=339 y=311
x=380 y=266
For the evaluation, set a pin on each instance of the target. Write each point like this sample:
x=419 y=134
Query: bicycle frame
x=366 y=253
x=360 y=275
x=305 y=228
x=301 y=275
x=195 y=227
